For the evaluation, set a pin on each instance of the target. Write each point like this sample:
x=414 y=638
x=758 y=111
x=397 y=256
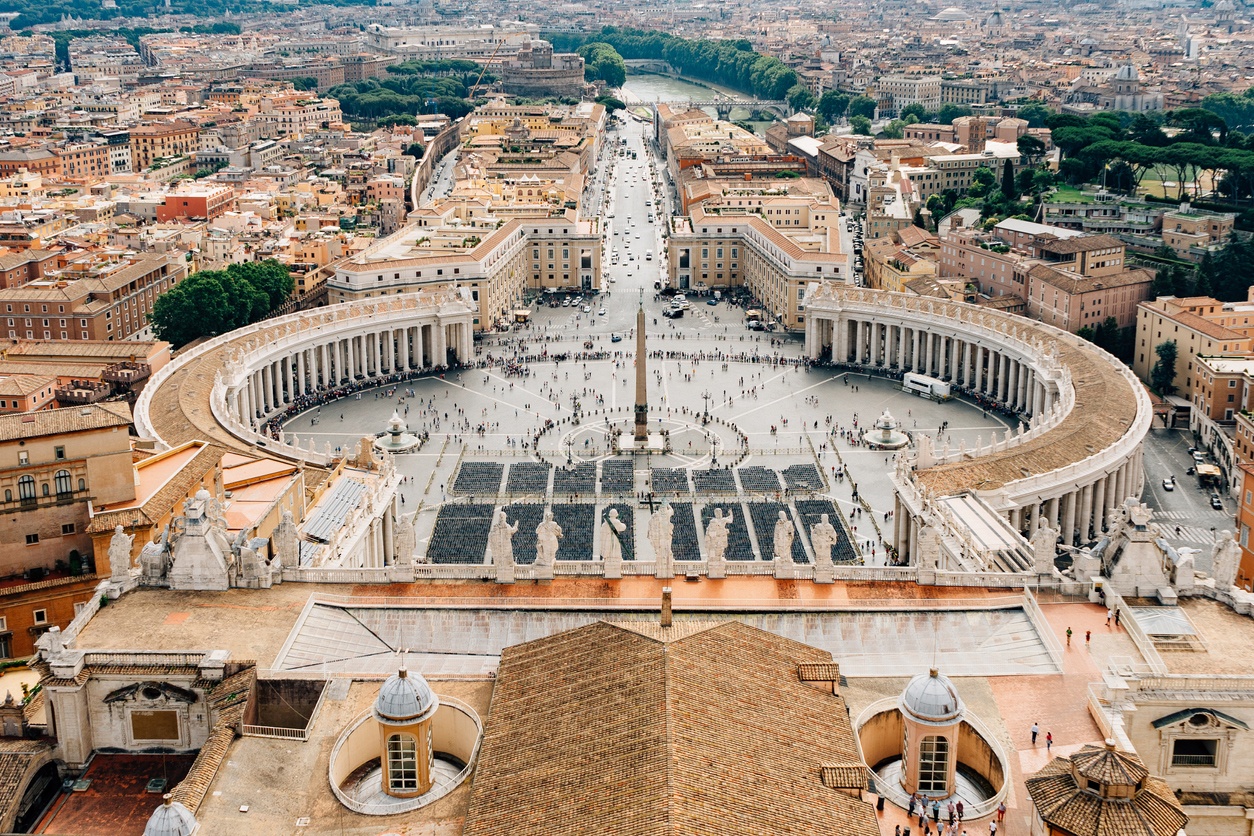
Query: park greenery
x=1163 y=373
x=412 y=87
x=729 y=63
x=52 y=11
x=212 y=302
x=601 y=62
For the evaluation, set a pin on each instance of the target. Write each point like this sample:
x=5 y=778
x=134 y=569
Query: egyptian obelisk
x=642 y=404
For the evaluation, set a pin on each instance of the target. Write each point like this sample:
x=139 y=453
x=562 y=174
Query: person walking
x=1001 y=811
x=1068 y=637
x=1049 y=741
x=936 y=811
x=914 y=799
x=953 y=813
x=992 y=827
x=1109 y=616
x=960 y=811
x=1088 y=637
x=1036 y=729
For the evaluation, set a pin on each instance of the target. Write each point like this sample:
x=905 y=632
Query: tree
x=603 y=63
x=610 y=103
x=1163 y=374
x=416 y=150
x=307 y=82
x=832 y=105
x=895 y=129
x=1031 y=149
x=212 y=302
x=983 y=180
x=860 y=125
x=949 y=112
x=800 y=98
x=862 y=106
x=917 y=110
x=1035 y=114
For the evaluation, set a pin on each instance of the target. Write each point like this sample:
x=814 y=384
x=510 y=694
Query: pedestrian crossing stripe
x=1191 y=534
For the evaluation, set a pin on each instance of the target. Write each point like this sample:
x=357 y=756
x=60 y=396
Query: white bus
x=924 y=386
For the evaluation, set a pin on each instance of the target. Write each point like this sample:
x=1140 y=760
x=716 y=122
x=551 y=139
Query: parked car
x=1216 y=502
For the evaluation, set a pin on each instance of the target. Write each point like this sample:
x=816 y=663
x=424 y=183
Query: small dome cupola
x=931 y=698
x=170 y=819
x=405 y=698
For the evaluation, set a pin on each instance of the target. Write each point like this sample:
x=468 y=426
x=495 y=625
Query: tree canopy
x=603 y=63
x=212 y=302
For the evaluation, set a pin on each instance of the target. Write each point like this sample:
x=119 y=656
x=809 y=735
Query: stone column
x=1068 y=518
x=1086 y=512
x=1051 y=512
x=389 y=547
x=1121 y=484
x=914 y=357
x=1099 y=504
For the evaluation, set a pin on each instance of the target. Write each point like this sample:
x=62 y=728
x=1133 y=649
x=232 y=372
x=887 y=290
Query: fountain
x=884 y=433
x=397 y=439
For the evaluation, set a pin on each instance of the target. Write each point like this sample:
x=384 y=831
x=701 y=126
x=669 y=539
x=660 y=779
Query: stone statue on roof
x=783 y=538
x=548 y=532
x=661 y=535
x=120 y=553
x=1225 y=556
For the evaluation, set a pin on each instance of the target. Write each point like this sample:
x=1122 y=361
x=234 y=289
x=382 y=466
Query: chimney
x=666 y=606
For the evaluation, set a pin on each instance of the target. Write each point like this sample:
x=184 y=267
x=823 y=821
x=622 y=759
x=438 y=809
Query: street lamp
x=705 y=416
x=570 y=443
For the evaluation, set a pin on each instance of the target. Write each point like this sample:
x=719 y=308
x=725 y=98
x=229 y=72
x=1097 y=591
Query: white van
x=648 y=255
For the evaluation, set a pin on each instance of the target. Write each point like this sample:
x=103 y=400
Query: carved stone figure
x=716 y=538
x=286 y=544
x=1044 y=548
x=611 y=536
x=120 y=553
x=548 y=532
x=501 y=539
x=1224 y=559
x=406 y=540
x=783 y=538
x=823 y=537
x=661 y=534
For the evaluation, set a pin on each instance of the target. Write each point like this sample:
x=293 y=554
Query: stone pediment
x=1200 y=721
x=151 y=691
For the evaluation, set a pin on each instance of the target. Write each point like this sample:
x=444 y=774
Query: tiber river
x=648 y=87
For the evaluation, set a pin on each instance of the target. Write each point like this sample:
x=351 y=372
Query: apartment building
x=199 y=201
x=1192 y=233
x=902 y=90
x=83 y=162
x=1199 y=325
x=100 y=296
x=773 y=250
x=460 y=245
x=167 y=139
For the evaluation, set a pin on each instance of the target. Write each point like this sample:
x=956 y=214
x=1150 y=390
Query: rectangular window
x=59 y=453
x=67 y=528
x=41 y=616
x=1190 y=752
x=32 y=539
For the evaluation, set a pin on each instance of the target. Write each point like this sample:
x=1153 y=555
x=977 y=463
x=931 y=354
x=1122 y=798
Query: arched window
x=44 y=486
x=26 y=488
x=65 y=486
x=933 y=764
x=82 y=485
x=402 y=762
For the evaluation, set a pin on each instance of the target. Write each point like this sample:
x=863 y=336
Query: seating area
x=684 y=543
x=739 y=547
x=618 y=476
x=714 y=481
x=627 y=514
x=528 y=515
x=803 y=477
x=579 y=522
x=528 y=477
x=461 y=534
x=765 y=515
x=478 y=479
x=757 y=479
x=670 y=480
x=580 y=479
x=811 y=511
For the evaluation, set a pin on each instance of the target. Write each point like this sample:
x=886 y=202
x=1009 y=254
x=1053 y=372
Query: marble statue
x=406 y=540
x=501 y=539
x=611 y=536
x=1225 y=556
x=548 y=532
x=783 y=538
x=120 y=553
x=716 y=535
x=661 y=535
x=823 y=537
x=286 y=544
x=1044 y=548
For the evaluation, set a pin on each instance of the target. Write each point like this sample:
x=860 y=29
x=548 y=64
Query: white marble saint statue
x=120 y=553
x=1224 y=559
x=548 y=532
x=611 y=534
x=1044 y=549
x=783 y=538
x=661 y=533
x=716 y=535
x=823 y=537
x=501 y=539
